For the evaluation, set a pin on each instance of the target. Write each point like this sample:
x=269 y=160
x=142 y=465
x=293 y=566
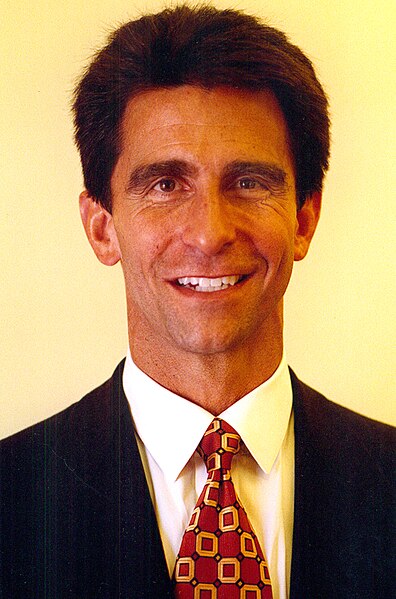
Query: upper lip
x=233 y=274
x=230 y=273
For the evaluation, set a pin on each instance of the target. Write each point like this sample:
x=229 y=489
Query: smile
x=208 y=285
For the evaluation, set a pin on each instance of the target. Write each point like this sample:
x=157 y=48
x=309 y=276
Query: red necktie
x=220 y=556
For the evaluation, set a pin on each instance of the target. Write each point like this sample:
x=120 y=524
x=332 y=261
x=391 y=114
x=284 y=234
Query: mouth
x=209 y=285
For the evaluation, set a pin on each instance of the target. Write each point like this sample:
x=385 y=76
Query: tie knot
x=219 y=445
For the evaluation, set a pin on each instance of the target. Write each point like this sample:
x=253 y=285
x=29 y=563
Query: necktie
x=220 y=556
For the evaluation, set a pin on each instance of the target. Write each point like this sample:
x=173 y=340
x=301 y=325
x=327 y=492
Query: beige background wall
x=63 y=314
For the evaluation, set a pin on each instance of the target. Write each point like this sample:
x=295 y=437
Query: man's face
x=204 y=217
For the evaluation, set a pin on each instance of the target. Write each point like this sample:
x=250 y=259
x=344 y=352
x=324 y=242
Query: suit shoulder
x=333 y=423
x=89 y=412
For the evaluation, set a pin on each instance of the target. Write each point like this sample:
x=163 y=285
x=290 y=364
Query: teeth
x=207 y=284
x=216 y=282
x=231 y=280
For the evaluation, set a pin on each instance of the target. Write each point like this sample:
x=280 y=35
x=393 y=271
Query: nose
x=210 y=224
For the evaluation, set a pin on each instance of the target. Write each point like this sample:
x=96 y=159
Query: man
x=204 y=139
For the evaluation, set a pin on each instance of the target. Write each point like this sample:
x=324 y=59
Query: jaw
x=174 y=320
x=194 y=318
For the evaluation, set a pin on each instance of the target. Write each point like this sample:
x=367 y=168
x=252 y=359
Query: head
x=204 y=141
x=207 y=48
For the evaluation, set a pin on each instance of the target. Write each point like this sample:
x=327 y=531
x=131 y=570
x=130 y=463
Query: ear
x=307 y=219
x=99 y=227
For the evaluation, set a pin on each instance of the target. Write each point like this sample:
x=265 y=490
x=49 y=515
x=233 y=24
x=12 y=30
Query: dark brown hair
x=206 y=47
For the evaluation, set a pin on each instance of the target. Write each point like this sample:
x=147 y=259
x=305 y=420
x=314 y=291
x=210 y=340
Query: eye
x=167 y=189
x=249 y=188
x=165 y=185
x=248 y=183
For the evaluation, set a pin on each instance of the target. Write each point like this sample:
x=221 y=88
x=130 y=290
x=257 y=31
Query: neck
x=214 y=381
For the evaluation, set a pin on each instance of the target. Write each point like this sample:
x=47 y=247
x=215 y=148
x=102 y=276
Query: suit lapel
x=339 y=502
x=142 y=559
x=318 y=522
x=302 y=499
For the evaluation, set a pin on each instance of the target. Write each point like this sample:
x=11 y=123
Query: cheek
x=275 y=242
x=142 y=244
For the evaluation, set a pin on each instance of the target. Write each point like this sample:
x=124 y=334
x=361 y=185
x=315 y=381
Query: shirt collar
x=171 y=427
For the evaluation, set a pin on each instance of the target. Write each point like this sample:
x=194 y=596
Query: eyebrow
x=147 y=172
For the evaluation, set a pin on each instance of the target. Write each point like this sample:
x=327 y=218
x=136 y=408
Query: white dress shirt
x=168 y=431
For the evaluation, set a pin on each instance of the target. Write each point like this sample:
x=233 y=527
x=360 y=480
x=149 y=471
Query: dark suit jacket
x=77 y=521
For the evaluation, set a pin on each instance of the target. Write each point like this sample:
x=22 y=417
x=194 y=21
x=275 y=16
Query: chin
x=209 y=343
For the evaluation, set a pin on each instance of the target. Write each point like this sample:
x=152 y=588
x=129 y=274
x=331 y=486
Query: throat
x=215 y=385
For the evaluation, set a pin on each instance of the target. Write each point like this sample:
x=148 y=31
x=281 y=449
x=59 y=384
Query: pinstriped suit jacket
x=76 y=519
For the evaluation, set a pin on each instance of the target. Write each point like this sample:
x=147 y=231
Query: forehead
x=212 y=126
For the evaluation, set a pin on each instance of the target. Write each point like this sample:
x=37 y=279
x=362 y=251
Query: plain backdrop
x=63 y=323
